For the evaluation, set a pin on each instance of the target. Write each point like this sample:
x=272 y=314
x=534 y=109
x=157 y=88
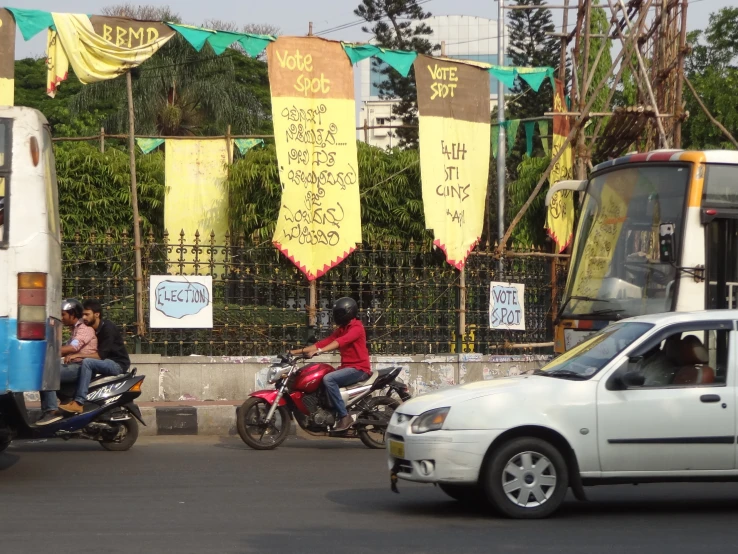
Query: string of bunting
x=32 y=22
x=511 y=130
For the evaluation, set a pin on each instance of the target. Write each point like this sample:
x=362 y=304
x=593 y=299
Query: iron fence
x=409 y=297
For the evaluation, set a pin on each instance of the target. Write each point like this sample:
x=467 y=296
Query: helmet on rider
x=73 y=307
x=344 y=310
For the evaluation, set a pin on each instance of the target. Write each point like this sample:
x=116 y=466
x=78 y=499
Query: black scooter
x=109 y=415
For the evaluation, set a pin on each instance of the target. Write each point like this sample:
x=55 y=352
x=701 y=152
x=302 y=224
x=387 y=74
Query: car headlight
x=431 y=420
x=276 y=373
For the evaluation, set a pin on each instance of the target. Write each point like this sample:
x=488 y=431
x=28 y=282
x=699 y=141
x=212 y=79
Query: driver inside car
x=350 y=339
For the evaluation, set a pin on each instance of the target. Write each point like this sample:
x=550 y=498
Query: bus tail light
x=32 y=306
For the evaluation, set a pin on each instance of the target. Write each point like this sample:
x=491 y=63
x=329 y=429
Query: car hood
x=460 y=393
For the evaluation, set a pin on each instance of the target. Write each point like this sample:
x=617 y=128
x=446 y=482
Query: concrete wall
x=203 y=378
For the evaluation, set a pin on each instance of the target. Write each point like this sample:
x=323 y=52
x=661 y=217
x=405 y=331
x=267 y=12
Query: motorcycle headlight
x=431 y=420
x=276 y=373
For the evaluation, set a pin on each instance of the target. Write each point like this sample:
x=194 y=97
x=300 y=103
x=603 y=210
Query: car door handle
x=710 y=398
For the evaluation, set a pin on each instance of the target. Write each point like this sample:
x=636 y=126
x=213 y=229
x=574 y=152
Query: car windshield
x=616 y=270
x=589 y=357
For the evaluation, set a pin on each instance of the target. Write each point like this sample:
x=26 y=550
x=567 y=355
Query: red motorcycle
x=264 y=420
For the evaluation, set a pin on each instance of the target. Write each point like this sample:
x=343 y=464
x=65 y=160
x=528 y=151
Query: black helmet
x=73 y=306
x=344 y=310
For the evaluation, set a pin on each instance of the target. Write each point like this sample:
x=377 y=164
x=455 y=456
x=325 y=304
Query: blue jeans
x=91 y=367
x=69 y=374
x=342 y=378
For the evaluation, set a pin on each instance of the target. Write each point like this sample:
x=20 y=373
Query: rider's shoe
x=343 y=424
x=49 y=417
x=72 y=407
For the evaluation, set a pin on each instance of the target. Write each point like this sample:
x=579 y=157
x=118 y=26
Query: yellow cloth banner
x=314 y=115
x=196 y=199
x=560 y=216
x=7 y=58
x=92 y=57
x=453 y=105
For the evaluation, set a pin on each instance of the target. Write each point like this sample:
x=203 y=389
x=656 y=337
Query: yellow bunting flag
x=196 y=200
x=560 y=216
x=99 y=48
x=453 y=105
x=7 y=58
x=314 y=117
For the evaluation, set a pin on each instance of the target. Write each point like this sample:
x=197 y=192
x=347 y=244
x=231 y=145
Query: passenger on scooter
x=82 y=343
x=350 y=339
x=111 y=358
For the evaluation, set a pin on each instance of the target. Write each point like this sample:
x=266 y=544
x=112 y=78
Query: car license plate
x=397 y=449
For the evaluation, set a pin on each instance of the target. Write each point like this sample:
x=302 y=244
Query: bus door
x=722 y=264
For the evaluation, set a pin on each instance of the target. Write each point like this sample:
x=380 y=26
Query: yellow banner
x=560 y=216
x=314 y=115
x=7 y=58
x=454 y=121
x=196 y=200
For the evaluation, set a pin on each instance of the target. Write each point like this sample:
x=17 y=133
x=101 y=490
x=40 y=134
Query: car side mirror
x=666 y=243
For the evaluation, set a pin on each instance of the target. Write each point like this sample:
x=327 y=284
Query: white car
x=645 y=400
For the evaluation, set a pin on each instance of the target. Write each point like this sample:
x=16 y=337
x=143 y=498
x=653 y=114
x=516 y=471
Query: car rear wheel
x=526 y=478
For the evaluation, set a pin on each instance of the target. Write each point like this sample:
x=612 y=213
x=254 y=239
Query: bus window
x=720 y=186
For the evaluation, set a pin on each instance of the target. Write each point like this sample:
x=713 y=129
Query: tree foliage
x=530 y=47
x=530 y=231
x=711 y=67
x=95 y=189
x=398 y=25
x=391 y=196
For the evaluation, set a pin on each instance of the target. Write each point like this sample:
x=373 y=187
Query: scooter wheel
x=127 y=440
x=249 y=423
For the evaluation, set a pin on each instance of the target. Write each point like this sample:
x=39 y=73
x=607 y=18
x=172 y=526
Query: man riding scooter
x=350 y=339
x=82 y=344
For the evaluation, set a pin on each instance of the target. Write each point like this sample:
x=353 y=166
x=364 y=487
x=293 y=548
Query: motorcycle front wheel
x=253 y=431
x=381 y=409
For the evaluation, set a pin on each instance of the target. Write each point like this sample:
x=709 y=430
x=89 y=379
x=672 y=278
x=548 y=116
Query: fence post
x=312 y=310
x=102 y=140
x=461 y=322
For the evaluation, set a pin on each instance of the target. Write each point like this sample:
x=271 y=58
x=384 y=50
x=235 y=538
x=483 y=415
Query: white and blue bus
x=30 y=254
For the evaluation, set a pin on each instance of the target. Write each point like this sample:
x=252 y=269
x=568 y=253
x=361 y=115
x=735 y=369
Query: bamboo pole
x=140 y=330
x=102 y=140
x=680 y=76
x=313 y=294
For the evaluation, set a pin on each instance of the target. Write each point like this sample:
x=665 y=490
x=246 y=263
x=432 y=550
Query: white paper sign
x=181 y=302
x=507 y=306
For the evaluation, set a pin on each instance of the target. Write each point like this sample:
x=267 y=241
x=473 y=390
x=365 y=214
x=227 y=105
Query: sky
x=293 y=16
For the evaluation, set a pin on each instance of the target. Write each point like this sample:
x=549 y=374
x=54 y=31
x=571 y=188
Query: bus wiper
x=563 y=373
x=585 y=298
x=606 y=311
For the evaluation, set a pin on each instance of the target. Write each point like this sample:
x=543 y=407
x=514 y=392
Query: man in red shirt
x=350 y=339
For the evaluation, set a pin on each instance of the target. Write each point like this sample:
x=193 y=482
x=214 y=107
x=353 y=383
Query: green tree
x=711 y=67
x=530 y=231
x=95 y=189
x=398 y=25
x=530 y=46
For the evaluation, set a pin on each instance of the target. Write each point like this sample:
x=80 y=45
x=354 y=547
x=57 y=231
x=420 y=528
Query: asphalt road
x=197 y=494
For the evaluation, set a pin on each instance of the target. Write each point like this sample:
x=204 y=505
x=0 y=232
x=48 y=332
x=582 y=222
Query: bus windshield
x=615 y=269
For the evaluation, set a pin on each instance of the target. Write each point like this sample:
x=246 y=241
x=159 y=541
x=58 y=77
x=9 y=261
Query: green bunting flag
x=400 y=60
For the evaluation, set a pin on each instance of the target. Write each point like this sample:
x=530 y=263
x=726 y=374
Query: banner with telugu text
x=560 y=215
x=314 y=113
x=7 y=58
x=195 y=171
x=454 y=121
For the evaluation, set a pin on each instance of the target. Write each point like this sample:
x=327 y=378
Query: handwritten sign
x=313 y=104
x=129 y=33
x=453 y=102
x=181 y=302
x=507 y=306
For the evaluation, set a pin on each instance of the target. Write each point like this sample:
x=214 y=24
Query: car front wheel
x=526 y=478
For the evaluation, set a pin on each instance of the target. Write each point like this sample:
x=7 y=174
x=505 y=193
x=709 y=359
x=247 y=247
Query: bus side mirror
x=666 y=243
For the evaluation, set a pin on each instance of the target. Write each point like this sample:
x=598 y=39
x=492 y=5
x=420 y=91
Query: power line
x=355 y=23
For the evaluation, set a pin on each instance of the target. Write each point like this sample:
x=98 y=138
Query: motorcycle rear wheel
x=253 y=432
x=375 y=437
x=130 y=437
